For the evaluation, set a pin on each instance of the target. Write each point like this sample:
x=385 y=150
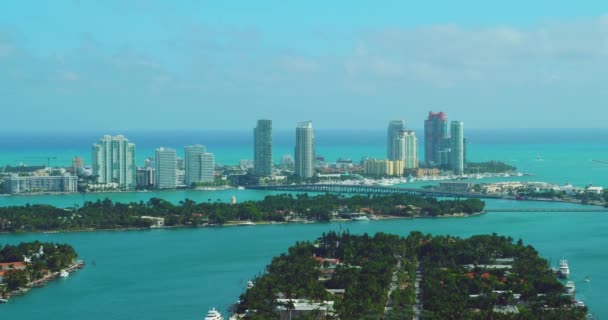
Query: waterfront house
x=294 y=308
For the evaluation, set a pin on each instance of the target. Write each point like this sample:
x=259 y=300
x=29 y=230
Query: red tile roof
x=15 y=265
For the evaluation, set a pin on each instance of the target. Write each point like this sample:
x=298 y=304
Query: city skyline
x=62 y=59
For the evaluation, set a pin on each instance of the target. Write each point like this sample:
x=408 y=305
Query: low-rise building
x=455 y=186
x=145 y=177
x=20 y=184
x=423 y=172
x=383 y=167
x=293 y=308
x=157 y=222
x=594 y=189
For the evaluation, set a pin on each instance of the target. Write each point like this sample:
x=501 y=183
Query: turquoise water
x=181 y=273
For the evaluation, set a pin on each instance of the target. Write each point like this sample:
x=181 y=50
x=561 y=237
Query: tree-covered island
x=345 y=276
x=105 y=214
x=32 y=264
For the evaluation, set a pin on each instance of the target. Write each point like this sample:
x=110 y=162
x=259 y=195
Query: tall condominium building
x=406 y=148
x=305 y=150
x=457 y=147
x=207 y=167
x=114 y=161
x=166 y=168
x=435 y=138
x=199 y=165
x=262 y=148
x=393 y=142
x=410 y=154
x=193 y=164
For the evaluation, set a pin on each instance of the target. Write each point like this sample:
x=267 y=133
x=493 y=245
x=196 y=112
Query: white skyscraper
x=305 y=151
x=193 y=164
x=114 y=161
x=410 y=143
x=207 y=167
x=199 y=165
x=393 y=144
x=457 y=147
x=166 y=168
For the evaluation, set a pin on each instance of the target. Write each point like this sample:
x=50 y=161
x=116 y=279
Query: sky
x=77 y=65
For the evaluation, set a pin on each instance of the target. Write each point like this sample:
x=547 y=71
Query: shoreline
x=253 y=224
x=39 y=283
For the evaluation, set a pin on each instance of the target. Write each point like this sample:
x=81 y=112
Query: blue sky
x=69 y=65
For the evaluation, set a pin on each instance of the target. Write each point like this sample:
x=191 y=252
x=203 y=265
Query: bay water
x=181 y=273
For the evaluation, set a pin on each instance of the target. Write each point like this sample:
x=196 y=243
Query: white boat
x=579 y=304
x=360 y=218
x=2 y=300
x=64 y=274
x=564 y=269
x=570 y=288
x=250 y=284
x=246 y=224
x=213 y=315
x=587 y=280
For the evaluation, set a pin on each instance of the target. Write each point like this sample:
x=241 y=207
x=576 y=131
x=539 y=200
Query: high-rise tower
x=192 y=163
x=435 y=138
x=262 y=148
x=395 y=127
x=304 y=151
x=410 y=143
x=114 y=161
x=457 y=147
x=166 y=168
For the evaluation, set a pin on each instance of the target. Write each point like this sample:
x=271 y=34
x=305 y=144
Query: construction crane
x=48 y=159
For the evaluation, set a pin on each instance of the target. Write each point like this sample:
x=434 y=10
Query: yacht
x=360 y=218
x=250 y=284
x=246 y=223
x=213 y=315
x=570 y=289
x=64 y=274
x=2 y=300
x=564 y=270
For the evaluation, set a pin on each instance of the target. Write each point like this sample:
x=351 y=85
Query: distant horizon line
x=119 y=131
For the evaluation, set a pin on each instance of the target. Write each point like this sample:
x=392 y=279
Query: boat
x=570 y=288
x=578 y=303
x=360 y=218
x=213 y=315
x=250 y=284
x=587 y=280
x=564 y=269
x=246 y=224
x=2 y=300
x=64 y=274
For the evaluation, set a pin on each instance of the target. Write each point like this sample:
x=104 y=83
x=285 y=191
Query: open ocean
x=181 y=273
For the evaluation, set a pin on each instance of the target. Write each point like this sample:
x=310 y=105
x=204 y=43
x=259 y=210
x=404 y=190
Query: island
x=346 y=276
x=156 y=213
x=32 y=264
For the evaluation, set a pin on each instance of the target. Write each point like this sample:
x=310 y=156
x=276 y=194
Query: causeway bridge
x=374 y=189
